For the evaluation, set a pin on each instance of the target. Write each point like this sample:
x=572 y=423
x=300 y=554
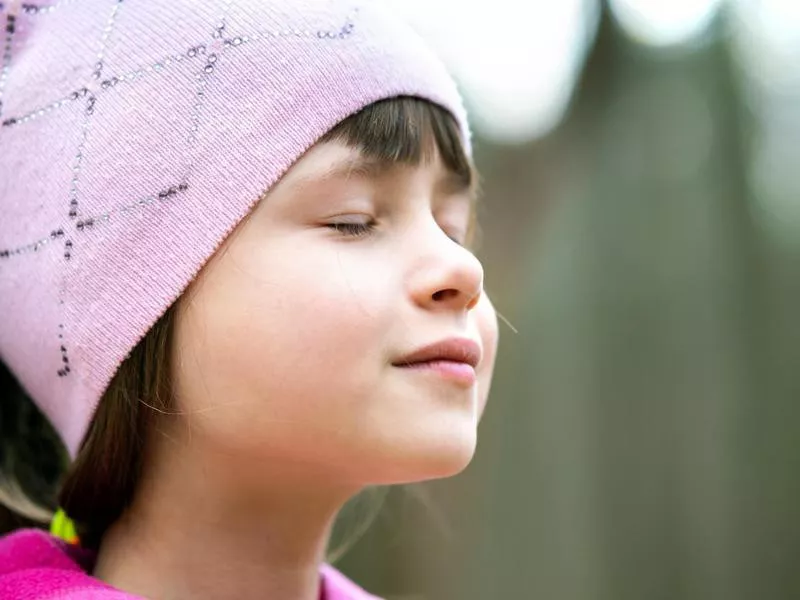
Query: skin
x=288 y=401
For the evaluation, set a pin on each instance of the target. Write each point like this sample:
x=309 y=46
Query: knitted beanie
x=136 y=136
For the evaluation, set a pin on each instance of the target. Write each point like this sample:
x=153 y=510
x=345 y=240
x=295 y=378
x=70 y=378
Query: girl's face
x=292 y=344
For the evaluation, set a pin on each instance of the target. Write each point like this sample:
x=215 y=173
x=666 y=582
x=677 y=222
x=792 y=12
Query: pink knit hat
x=135 y=137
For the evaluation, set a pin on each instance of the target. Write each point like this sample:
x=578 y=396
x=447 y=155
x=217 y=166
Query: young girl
x=235 y=276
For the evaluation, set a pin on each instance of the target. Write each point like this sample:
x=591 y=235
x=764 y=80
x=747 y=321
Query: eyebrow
x=451 y=182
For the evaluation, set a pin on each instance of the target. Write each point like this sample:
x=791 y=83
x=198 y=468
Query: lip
x=451 y=350
x=453 y=359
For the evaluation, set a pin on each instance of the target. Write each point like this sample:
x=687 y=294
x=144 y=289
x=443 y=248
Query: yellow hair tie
x=62 y=527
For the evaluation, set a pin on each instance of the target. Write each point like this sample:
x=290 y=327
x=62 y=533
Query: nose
x=448 y=276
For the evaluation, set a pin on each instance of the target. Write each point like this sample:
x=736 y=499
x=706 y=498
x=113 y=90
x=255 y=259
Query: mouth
x=454 y=359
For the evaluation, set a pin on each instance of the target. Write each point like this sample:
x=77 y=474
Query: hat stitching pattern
x=90 y=93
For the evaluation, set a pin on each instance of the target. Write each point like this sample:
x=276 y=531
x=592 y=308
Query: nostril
x=444 y=294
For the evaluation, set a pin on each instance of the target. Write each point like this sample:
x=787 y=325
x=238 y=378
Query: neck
x=199 y=529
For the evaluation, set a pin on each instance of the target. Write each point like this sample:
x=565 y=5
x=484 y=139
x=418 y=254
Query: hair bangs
x=409 y=131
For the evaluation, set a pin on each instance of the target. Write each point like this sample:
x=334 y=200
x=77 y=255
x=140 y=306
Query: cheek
x=271 y=340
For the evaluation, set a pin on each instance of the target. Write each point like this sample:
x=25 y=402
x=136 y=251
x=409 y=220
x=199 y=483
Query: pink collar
x=37 y=566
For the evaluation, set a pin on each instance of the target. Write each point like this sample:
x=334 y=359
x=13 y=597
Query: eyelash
x=357 y=230
x=353 y=229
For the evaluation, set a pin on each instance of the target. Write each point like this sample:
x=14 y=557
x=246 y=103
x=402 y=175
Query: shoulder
x=31 y=548
x=36 y=566
x=339 y=587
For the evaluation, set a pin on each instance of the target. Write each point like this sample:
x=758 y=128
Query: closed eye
x=352 y=229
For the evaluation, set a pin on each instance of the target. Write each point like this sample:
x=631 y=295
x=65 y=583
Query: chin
x=435 y=458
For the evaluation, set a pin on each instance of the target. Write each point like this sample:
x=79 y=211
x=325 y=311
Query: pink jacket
x=36 y=566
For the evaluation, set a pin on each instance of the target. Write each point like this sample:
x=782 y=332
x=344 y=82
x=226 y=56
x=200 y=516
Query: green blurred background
x=642 y=440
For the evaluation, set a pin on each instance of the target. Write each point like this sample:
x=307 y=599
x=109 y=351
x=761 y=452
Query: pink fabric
x=37 y=566
x=135 y=137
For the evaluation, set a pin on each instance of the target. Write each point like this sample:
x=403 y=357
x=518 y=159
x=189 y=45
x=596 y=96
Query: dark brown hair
x=101 y=482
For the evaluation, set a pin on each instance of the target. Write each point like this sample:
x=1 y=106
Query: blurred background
x=641 y=231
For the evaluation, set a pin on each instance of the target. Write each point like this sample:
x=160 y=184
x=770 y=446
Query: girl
x=235 y=276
